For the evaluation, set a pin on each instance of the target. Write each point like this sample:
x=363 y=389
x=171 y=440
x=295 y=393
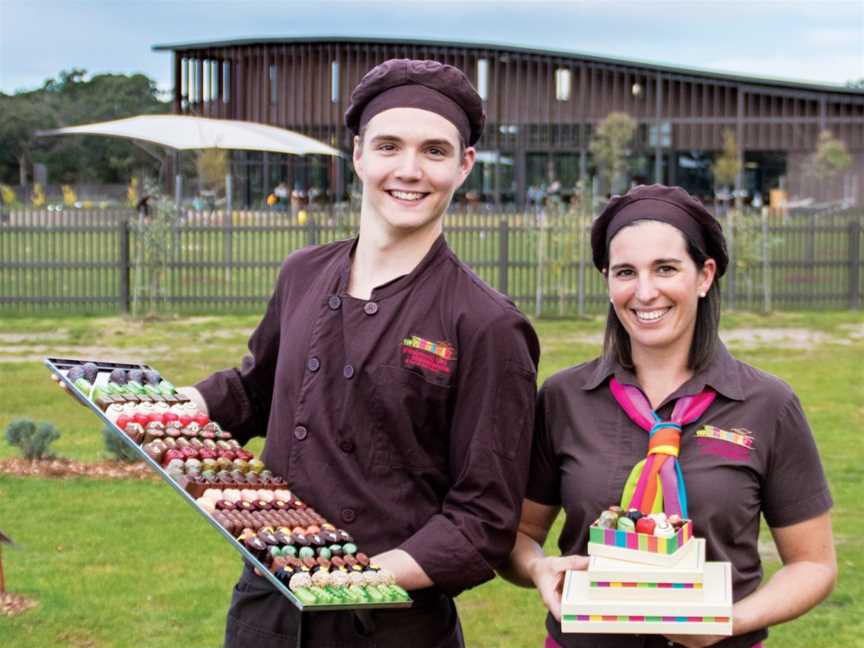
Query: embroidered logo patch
x=730 y=444
x=437 y=357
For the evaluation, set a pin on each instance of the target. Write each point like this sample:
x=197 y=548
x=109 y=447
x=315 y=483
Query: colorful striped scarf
x=656 y=484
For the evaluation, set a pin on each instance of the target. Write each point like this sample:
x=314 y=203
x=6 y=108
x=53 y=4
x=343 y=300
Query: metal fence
x=110 y=261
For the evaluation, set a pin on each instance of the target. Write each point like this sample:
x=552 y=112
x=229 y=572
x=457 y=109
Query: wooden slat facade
x=291 y=84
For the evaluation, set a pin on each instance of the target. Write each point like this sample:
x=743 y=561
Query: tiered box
x=636 y=583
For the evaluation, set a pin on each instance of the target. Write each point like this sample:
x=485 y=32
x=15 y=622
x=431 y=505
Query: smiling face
x=410 y=165
x=655 y=286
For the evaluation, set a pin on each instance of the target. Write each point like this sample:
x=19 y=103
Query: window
x=562 y=84
x=274 y=84
x=226 y=81
x=334 y=82
x=483 y=78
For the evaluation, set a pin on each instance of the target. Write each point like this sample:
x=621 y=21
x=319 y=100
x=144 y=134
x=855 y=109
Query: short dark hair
x=706 y=336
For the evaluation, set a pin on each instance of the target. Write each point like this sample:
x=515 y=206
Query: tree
x=610 y=146
x=830 y=159
x=212 y=166
x=728 y=165
x=23 y=114
x=73 y=99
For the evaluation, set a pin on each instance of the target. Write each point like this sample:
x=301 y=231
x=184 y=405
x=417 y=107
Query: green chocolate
x=323 y=597
x=306 y=596
x=349 y=548
x=306 y=552
x=374 y=594
x=324 y=552
x=626 y=524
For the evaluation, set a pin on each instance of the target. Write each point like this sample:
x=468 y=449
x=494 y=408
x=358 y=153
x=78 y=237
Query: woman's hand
x=548 y=576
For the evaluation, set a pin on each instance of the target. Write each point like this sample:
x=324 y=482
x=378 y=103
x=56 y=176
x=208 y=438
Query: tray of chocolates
x=315 y=564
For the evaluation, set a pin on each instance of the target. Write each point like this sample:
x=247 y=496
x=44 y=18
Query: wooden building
x=541 y=109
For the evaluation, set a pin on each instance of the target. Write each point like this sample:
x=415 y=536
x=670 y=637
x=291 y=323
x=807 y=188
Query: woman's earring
x=702 y=294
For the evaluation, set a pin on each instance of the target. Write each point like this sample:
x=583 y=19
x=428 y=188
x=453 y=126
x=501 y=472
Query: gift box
x=638 y=547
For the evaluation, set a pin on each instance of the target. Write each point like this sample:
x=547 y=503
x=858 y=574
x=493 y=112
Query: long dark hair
x=706 y=336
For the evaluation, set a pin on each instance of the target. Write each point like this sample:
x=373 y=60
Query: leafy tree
x=831 y=157
x=728 y=164
x=610 y=145
x=212 y=166
x=68 y=100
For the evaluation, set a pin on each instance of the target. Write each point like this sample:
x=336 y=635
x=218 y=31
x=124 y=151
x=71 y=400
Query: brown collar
x=721 y=374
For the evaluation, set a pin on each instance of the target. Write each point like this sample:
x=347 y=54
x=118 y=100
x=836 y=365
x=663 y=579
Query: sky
x=814 y=40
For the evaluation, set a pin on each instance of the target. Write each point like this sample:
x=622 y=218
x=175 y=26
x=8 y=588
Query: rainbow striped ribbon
x=656 y=483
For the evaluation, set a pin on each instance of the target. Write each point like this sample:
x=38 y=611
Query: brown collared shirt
x=405 y=418
x=585 y=447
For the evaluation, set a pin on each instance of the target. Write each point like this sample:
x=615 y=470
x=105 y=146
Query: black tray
x=59 y=366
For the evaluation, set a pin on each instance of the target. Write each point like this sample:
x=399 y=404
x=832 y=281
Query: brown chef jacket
x=405 y=418
x=585 y=446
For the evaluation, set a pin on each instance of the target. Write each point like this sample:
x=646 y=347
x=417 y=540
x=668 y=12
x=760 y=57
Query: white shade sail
x=184 y=132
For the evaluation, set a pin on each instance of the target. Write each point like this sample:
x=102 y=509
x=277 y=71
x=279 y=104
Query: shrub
x=34 y=439
x=117 y=448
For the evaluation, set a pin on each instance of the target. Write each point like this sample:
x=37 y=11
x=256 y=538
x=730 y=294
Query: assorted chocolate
x=320 y=563
x=633 y=520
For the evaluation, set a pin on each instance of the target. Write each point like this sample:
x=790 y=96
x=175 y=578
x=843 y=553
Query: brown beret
x=671 y=205
x=430 y=85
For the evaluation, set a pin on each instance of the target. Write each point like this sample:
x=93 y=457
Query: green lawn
x=128 y=564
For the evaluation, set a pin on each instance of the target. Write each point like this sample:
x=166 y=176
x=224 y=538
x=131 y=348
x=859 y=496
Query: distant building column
x=519 y=167
x=658 y=126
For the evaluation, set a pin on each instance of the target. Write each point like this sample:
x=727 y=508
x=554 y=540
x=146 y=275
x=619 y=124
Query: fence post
x=855 y=264
x=311 y=228
x=730 y=217
x=766 y=264
x=123 y=236
x=583 y=237
x=503 y=255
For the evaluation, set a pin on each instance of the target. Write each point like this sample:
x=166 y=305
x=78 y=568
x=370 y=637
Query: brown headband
x=657 y=209
x=418 y=96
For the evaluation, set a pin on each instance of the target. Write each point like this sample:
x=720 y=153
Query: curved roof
x=516 y=49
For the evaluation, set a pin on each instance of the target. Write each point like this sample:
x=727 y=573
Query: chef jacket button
x=348 y=515
x=348 y=371
x=334 y=302
x=313 y=363
x=370 y=308
x=300 y=432
x=346 y=446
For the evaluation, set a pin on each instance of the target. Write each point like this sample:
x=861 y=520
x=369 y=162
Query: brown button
x=334 y=302
x=313 y=363
x=300 y=432
x=348 y=371
x=346 y=446
x=370 y=308
x=348 y=515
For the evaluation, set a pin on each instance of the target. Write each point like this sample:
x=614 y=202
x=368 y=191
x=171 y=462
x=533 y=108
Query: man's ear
x=357 y=153
x=467 y=162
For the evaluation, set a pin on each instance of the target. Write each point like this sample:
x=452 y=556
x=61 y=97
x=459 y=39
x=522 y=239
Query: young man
x=396 y=389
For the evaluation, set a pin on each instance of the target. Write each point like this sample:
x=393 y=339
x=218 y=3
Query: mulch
x=14 y=604
x=60 y=468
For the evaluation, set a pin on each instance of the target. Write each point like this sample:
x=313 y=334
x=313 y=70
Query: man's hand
x=548 y=576
x=65 y=389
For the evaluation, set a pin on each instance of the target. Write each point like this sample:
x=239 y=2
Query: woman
x=661 y=253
